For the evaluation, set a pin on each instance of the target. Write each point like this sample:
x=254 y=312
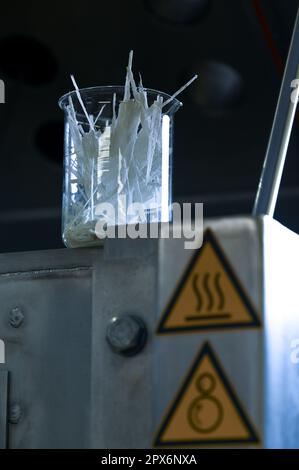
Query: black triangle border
x=206 y=350
x=209 y=237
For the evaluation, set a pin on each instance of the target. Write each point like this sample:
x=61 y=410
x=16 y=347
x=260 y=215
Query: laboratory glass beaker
x=117 y=157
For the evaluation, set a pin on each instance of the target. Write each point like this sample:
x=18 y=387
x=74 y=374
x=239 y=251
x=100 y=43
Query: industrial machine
x=141 y=343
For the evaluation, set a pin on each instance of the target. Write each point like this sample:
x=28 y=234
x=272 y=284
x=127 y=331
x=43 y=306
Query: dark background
x=238 y=48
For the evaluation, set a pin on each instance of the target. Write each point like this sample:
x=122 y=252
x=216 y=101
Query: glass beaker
x=117 y=160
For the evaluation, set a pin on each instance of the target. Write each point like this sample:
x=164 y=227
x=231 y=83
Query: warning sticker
x=209 y=295
x=206 y=410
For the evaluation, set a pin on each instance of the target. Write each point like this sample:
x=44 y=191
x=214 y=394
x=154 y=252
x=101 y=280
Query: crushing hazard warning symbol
x=209 y=295
x=206 y=410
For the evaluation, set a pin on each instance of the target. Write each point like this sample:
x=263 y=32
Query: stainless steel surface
x=127 y=277
x=281 y=259
x=62 y=369
x=280 y=134
x=3 y=408
x=74 y=391
x=48 y=357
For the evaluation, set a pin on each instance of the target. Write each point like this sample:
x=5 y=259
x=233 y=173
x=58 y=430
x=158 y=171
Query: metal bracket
x=3 y=408
x=269 y=183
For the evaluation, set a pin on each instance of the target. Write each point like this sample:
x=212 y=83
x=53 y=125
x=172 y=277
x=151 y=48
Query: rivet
x=16 y=317
x=15 y=414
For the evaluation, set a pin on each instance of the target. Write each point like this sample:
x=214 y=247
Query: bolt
x=16 y=317
x=126 y=334
x=15 y=414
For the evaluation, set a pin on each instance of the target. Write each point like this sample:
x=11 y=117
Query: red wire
x=279 y=63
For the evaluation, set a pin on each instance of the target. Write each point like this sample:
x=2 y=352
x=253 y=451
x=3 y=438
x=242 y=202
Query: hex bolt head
x=126 y=334
x=16 y=317
x=15 y=414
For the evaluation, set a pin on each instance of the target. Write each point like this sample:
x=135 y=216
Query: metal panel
x=48 y=355
x=74 y=391
x=122 y=389
x=3 y=408
x=240 y=350
x=281 y=261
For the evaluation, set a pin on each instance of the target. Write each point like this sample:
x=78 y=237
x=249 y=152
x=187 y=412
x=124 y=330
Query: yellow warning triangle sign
x=209 y=295
x=206 y=410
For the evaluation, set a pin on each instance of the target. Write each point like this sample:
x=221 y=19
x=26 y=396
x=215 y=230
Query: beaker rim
x=174 y=104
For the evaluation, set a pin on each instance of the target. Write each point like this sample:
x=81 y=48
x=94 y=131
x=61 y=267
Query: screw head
x=15 y=414
x=126 y=334
x=16 y=317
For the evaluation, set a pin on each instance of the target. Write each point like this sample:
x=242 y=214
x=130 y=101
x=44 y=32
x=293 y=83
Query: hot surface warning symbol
x=209 y=295
x=206 y=410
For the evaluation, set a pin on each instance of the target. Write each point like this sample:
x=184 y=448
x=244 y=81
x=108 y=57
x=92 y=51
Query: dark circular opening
x=219 y=87
x=178 y=11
